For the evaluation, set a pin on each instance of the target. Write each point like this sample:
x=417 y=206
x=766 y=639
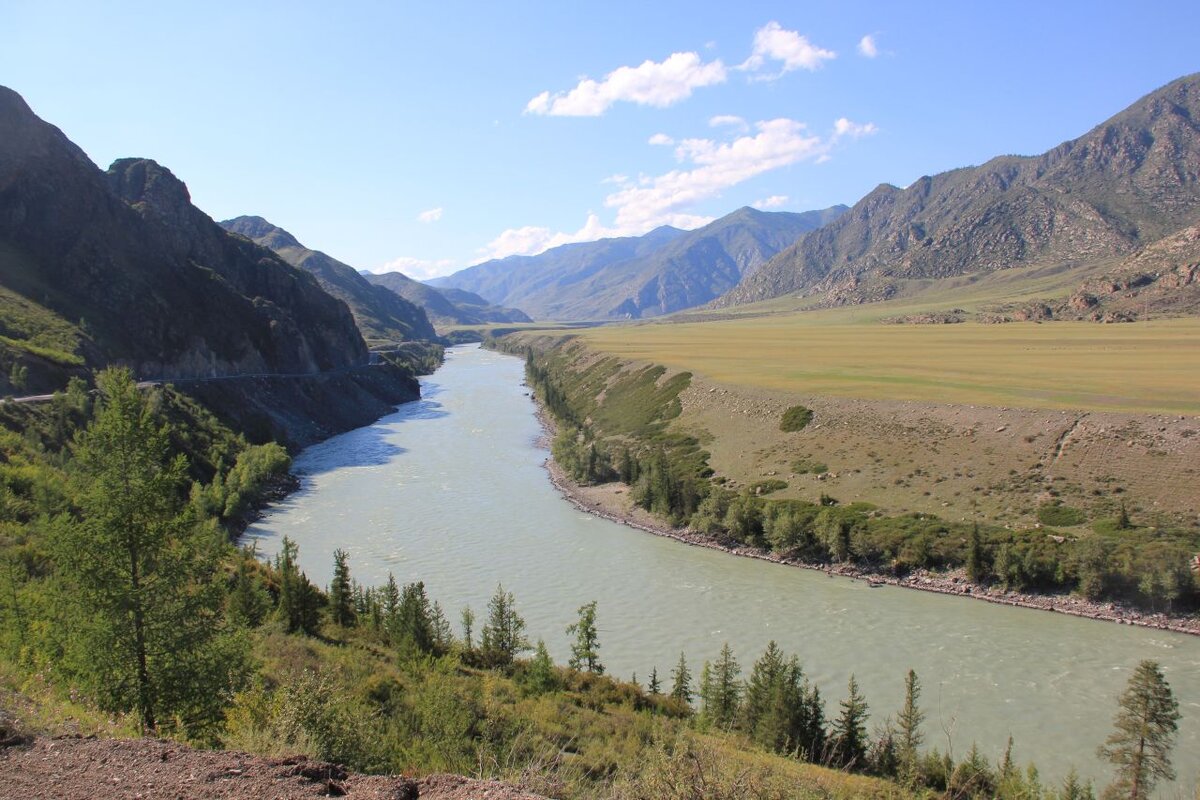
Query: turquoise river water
x=452 y=490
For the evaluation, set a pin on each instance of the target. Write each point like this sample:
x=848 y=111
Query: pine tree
x=142 y=576
x=414 y=632
x=849 y=730
x=585 y=648
x=341 y=600
x=248 y=602
x=1145 y=723
x=681 y=681
x=299 y=601
x=1073 y=789
x=503 y=635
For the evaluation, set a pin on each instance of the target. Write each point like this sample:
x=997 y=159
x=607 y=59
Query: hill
x=446 y=306
x=383 y=317
x=119 y=266
x=1122 y=186
x=664 y=271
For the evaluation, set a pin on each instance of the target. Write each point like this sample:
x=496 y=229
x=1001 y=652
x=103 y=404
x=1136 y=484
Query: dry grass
x=1148 y=367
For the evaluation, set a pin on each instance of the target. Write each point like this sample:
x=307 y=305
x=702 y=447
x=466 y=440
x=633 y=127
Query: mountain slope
x=664 y=271
x=119 y=266
x=1126 y=183
x=381 y=316
x=446 y=306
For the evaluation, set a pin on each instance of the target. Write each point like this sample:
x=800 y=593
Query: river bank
x=612 y=502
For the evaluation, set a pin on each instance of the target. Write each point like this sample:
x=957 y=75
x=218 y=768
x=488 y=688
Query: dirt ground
x=145 y=769
x=957 y=461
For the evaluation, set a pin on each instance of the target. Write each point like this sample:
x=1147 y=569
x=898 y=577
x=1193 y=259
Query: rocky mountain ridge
x=1127 y=183
x=446 y=306
x=666 y=270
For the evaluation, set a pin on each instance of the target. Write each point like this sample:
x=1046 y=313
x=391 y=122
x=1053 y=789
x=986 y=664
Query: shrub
x=1059 y=515
x=795 y=419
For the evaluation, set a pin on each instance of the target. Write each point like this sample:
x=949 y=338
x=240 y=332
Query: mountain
x=381 y=316
x=1123 y=185
x=446 y=306
x=120 y=266
x=664 y=271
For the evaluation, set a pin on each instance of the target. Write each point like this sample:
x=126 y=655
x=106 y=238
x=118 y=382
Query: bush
x=804 y=466
x=1059 y=515
x=767 y=486
x=795 y=419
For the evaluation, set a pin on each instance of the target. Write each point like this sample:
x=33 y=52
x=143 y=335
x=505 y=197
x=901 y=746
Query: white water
x=451 y=490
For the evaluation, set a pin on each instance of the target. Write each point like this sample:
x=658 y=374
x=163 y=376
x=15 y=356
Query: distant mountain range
x=1122 y=186
x=97 y=267
x=664 y=271
x=383 y=316
x=446 y=306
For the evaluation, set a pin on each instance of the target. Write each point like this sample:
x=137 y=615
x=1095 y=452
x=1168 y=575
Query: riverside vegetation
x=126 y=608
x=614 y=424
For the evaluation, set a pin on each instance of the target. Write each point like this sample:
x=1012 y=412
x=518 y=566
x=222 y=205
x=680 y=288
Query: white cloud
x=649 y=84
x=432 y=215
x=844 y=127
x=712 y=167
x=418 y=268
x=728 y=120
x=774 y=201
x=772 y=42
x=660 y=139
x=617 y=179
x=867 y=46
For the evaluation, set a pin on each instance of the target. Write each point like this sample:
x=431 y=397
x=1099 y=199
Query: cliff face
x=383 y=317
x=126 y=269
x=1127 y=183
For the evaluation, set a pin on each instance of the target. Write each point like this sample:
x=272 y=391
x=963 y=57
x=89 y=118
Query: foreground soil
x=84 y=768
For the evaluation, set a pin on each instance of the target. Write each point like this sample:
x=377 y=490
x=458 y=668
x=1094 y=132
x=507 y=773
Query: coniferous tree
x=849 y=730
x=468 y=625
x=1145 y=723
x=585 y=649
x=248 y=602
x=142 y=575
x=654 y=686
x=413 y=627
x=503 y=636
x=908 y=723
x=541 y=677
x=977 y=561
x=299 y=601
x=681 y=681
x=720 y=689
x=341 y=599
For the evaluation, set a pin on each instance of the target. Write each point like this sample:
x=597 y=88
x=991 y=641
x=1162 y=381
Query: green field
x=1136 y=367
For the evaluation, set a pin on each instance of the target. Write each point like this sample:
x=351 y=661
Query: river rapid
x=451 y=490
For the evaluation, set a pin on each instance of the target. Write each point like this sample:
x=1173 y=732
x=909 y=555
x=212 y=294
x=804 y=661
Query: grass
x=1137 y=367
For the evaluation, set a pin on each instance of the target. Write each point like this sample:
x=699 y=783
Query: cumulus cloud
x=418 y=268
x=728 y=120
x=661 y=139
x=710 y=167
x=844 y=127
x=774 y=201
x=867 y=46
x=651 y=83
x=774 y=43
x=432 y=215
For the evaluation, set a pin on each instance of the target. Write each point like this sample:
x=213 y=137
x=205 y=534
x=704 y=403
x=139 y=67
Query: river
x=451 y=490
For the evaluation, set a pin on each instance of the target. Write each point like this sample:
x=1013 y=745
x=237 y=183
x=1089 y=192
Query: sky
x=426 y=137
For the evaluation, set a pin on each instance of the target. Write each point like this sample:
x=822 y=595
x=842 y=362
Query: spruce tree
x=503 y=636
x=849 y=730
x=654 y=686
x=541 y=677
x=681 y=681
x=248 y=602
x=908 y=723
x=142 y=576
x=1145 y=723
x=720 y=689
x=414 y=630
x=977 y=561
x=468 y=626
x=341 y=599
x=585 y=649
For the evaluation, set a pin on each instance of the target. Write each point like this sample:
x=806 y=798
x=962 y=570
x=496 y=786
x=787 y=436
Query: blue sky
x=430 y=136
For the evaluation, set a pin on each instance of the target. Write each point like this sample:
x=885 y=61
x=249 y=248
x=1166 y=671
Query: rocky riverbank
x=612 y=502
